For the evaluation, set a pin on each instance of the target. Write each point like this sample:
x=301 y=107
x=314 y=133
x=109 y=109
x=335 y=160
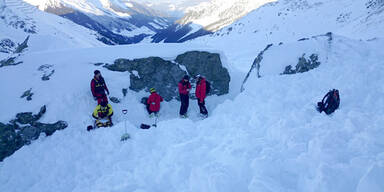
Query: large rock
x=164 y=75
x=209 y=65
x=9 y=61
x=10 y=140
x=151 y=72
x=304 y=65
x=20 y=48
x=23 y=130
x=28 y=94
x=7 y=46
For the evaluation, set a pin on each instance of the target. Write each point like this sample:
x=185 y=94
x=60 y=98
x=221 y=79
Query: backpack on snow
x=207 y=87
x=330 y=102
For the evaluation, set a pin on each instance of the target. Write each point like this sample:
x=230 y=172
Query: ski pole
x=125 y=136
x=125 y=120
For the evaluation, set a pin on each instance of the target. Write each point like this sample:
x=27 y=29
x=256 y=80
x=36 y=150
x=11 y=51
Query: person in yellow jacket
x=103 y=111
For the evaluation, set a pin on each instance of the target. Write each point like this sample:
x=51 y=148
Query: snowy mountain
x=265 y=135
x=18 y=20
x=173 y=8
x=290 y=20
x=117 y=21
x=217 y=14
x=206 y=18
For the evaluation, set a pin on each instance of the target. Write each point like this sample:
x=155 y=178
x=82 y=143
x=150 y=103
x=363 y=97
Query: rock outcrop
x=303 y=65
x=256 y=65
x=164 y=75
x=27 y=94
x=208 y=65
x=151 y=72
x=23 y=130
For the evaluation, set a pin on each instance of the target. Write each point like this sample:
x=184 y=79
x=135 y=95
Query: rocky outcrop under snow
x=23 y=130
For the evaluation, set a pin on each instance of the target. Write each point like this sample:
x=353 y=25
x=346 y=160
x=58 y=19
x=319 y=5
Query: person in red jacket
x=184 y=88
x=201 y=87
x=153 y=102
x=98 y=88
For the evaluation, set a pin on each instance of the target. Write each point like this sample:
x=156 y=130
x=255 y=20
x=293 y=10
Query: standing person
x=201 y=88
x=153 y=102
x=98 y=88
x=184 y=88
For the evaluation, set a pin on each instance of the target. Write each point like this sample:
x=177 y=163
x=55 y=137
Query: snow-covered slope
x=290 y=20
x=206 y=18
x=217 y=14
x=18 y=20
x=267 y=138
x=116 y=21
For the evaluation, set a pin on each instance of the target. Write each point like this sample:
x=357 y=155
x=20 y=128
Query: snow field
x=268 y=138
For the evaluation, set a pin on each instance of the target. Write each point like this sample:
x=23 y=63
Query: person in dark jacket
x=184 y=88
x=200 y=93
x=98 y=88
x=153 y=102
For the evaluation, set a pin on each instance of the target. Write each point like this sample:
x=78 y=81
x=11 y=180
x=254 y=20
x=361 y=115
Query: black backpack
x=207 y=87
x=330 y=102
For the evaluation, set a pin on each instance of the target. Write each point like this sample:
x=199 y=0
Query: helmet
x=152 y=90
x=186 y=77
x=96 y=72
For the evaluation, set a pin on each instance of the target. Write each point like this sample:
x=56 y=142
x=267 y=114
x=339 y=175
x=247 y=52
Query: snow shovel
x=125 y=136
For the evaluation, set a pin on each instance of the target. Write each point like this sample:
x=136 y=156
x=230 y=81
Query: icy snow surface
x=268 y=138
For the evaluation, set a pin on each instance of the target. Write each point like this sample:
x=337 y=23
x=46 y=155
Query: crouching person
x=103 y=111
x=153 y=103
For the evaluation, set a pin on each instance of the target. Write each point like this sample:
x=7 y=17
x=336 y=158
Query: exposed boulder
x=23 y=130
x=11 y=141
x=26 y=118
x=7 y=46
x=49 y=129
x=151 y=72
x=303 y=65
x=28 y=94
x=47 y=70
x=9 y=61
x=209 y=65
x=20 y=48
x=164 y=75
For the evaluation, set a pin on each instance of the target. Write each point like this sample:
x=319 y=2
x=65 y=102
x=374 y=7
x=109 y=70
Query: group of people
x=104 y=110
x=200 y=93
